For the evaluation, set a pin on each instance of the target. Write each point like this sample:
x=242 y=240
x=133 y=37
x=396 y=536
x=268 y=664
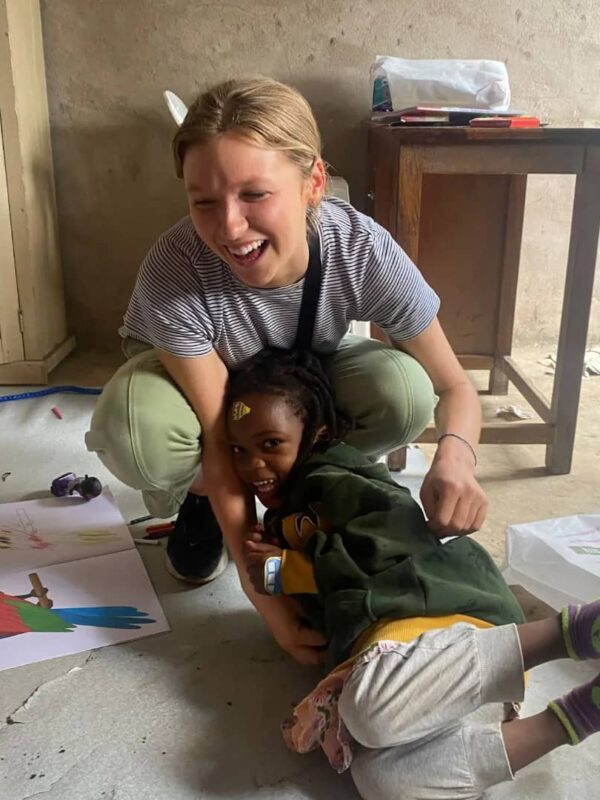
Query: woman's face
x=249 y=206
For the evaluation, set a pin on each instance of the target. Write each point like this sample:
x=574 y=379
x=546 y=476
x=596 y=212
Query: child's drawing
x=20 y=614
x=25 y=536
x=70 y=568
x=22 y=533
x=37 y=533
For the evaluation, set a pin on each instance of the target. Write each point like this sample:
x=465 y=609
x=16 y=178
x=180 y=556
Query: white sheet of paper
x=105 y=582
x=83 y=554
x=54 y=530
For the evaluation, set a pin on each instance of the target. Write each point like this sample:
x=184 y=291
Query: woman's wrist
x=457 y=447
x=274 y=610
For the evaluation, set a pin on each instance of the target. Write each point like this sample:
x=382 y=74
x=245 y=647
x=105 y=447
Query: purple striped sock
x=581 y=630
x=579 y=711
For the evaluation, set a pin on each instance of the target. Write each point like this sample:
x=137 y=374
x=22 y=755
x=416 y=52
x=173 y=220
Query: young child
x=421 y=635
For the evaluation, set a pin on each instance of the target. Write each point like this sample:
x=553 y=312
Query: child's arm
x=276 y=571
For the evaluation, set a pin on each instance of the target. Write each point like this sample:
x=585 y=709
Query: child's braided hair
x=297 y=376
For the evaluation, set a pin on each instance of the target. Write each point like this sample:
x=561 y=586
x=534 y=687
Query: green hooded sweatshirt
x=375 y=558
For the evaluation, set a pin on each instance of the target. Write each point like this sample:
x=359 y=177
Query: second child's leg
x=575 y=716
x=412 y=691
x=574 y=633
x=530 y=738
x=459 y=763
x=541 y=641
x=432 y=768
x=398 y=697
x=468 y=758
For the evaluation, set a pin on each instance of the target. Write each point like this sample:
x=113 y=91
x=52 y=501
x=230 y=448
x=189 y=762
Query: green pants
x=147 y=434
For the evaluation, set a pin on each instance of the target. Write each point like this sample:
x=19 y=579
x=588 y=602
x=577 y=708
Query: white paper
x=94 y=580
x=557 y=560
x=54 y=530
x=513 y=411
x=117 y=586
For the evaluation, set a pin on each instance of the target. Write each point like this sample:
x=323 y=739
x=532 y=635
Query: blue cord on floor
x=51 y=390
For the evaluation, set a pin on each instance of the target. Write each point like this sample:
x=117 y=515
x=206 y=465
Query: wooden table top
x=462 y=134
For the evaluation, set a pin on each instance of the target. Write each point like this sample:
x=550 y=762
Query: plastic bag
x=557 y=560
x=400 y=83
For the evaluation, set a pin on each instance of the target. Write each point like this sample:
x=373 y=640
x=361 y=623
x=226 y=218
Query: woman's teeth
x=246 y=248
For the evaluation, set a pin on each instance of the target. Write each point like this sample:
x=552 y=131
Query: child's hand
x=256 y=552
x=258 y=534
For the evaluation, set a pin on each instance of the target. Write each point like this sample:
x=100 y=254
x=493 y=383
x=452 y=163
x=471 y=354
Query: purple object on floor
x=87 y=487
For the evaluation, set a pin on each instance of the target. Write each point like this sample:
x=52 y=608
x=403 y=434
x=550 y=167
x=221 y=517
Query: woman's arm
x=453 y=500
x=203 y=380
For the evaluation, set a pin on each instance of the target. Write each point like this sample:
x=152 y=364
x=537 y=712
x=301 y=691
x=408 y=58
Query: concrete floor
x=194 y=713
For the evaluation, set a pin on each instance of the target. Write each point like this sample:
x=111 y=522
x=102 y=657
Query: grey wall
x=109 y=60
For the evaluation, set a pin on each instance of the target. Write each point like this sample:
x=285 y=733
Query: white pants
x=417 y=713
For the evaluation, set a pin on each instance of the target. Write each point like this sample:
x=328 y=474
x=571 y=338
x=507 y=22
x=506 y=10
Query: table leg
x=515 y=209
x=396 y=460
x=410 y=184
x=583 y=247
x=410 y=187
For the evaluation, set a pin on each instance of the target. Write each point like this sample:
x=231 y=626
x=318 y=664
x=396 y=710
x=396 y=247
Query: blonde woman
x=229 y=280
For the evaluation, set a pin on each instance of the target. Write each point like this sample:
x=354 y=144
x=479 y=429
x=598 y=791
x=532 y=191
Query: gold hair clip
x=239 y=410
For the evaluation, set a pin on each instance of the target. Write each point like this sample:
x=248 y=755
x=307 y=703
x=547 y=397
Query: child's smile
x=265 y=434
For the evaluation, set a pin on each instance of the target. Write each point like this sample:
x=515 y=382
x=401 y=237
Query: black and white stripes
x=186 y=300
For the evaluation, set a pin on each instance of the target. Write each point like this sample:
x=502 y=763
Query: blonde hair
x=266 y=112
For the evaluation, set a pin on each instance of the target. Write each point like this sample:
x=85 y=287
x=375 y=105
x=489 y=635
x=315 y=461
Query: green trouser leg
x=147 y=434
x=387 y=393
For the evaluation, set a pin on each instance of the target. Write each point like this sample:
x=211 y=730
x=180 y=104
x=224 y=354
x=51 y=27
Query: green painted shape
x=40 y=620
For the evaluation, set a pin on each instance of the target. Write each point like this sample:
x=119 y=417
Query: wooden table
x=453 y=197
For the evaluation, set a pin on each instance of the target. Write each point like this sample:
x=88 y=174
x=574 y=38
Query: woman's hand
x=454 y=502
x=288 y=625
x=292 y=633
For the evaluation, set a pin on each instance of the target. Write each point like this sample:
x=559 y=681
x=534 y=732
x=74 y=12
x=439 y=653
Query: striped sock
x=581 y=630
x=579 y=711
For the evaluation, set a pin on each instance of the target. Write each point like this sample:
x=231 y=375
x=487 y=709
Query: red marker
x=158 y=531
x=57 y=412
x=505 y=122
x=158 y=534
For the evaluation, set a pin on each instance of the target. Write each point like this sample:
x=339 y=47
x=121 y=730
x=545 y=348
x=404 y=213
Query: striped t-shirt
x=188 y=302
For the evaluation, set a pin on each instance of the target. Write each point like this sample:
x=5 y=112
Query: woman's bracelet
x=463 y=440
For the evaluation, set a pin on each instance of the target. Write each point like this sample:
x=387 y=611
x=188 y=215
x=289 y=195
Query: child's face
x=265 y=436
x=248 y=204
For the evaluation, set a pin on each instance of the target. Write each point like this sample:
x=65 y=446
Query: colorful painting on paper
x=68 y=585
x=74 y=607
x=35 y=612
